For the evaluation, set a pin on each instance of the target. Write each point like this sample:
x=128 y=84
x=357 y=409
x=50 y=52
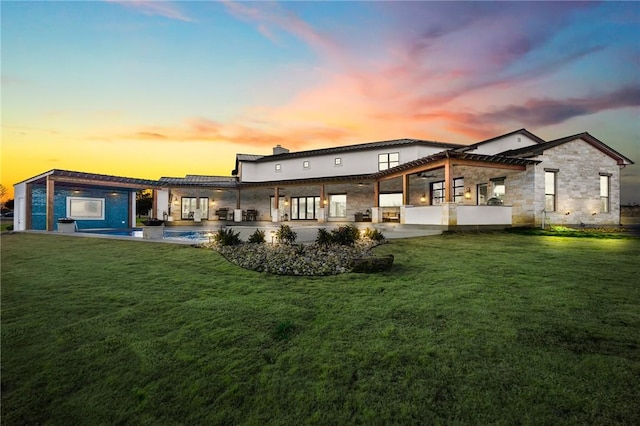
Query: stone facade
x=579 y=166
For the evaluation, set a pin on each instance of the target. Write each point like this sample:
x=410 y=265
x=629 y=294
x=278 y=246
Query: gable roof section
x=83 y=177
x=348 y=148
x=522 y=131
x=534 y=150
x=494 y=159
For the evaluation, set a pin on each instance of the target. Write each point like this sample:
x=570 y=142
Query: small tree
x=144 y=201
x=3 y=196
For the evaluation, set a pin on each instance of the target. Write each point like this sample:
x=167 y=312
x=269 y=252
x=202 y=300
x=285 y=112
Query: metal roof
x=107 y=179
x=348 y=148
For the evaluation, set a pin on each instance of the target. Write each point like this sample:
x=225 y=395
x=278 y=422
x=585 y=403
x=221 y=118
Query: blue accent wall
x=116 y=206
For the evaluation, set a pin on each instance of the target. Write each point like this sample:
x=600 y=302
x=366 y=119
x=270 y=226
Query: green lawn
x=467 y=328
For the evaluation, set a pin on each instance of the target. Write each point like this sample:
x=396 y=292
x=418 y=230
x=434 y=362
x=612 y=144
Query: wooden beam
x=92 y=182
x=472 y=163
x=322 y=196
x=405 y=189
x=376 y=194
x=51 y=187
x=276 y=201
x=448 y=181
x=238 y=198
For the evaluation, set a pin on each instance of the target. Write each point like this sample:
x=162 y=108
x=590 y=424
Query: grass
x=465 y=328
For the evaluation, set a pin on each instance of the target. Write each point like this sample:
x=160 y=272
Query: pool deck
x=306 y=233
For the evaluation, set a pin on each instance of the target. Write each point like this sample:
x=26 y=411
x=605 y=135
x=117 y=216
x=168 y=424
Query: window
x=498 y=188
x=482 y=194
x=84 y=208
x=458 y=190
x=278 y=167
x=305 y=164
x=605 y=204
x=550 y=203
x=189 y=205
x=338 y=205
x=387 y=161
x=437 y=193
x=304 y=207
x=391 y=200
x=281 y=206
x=337 y=161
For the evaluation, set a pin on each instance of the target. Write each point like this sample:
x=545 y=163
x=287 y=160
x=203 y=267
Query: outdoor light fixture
x=286 y=201
x=273 y=234
x=423 y=198
x=325 y=201
x=467 y=193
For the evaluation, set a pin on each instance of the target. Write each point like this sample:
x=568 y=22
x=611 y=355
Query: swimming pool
x=193 y=236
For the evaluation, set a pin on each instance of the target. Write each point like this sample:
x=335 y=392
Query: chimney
x=277 y=150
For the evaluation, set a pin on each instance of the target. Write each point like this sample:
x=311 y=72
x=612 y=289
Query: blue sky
x=148 y=88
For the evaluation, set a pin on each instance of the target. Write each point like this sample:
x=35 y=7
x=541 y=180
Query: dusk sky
x=148 y=89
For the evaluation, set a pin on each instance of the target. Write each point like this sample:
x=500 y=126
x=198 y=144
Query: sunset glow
x=148 y=89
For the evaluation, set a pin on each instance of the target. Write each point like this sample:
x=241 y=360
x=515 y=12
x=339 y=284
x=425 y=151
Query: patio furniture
x=222 y=214
x=252 y=215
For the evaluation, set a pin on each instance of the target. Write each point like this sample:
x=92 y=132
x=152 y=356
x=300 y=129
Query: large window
x=391 y=200
x=189 y=205
x=338 y=205
x=304 y=207
x=605 y=202
x=499 y=189
x=281 y=206
x=550 y=188
x=85 y=208
x=389 y=160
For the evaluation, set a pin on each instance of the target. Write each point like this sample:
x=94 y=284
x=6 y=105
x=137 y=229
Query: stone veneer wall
x=579 y=166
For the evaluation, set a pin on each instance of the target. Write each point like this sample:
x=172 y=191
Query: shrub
x=257 y=237
x=373 y=235
x=346 y=235
x=226 y=237
x=324 y=237
x=286 y=235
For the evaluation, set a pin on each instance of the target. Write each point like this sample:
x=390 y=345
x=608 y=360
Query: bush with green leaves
x=346 y=235
x=324 y=237
x=373 y=235
x=226 y=237
x=286 y=235
x=257 y=237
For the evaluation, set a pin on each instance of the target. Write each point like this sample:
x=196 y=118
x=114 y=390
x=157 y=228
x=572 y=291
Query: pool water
x=195 y=236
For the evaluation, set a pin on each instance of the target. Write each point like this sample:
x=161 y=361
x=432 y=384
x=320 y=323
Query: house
x=515 y=179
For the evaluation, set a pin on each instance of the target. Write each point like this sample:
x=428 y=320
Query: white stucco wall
x=353 y=163
x=506 y=143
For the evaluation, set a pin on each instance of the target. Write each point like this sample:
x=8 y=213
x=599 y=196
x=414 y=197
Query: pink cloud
x=154 y=8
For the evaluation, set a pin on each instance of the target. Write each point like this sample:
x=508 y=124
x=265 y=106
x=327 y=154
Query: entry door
x=22 y=214
x=482 y=194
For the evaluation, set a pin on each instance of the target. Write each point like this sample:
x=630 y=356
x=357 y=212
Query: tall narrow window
x=338 y=205
x=387 y=161
x=437 y=193
x=482 y=194
x=605 y=202
x=550 y=187
x=458 y=190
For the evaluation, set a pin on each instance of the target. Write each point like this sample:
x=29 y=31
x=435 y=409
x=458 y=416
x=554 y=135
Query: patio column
x=375 y=210
x=275 y=213
x=154 y=204
x=237 y=213
x=447 y=181
x=405 y=190
x=132 y=209
x=322 y=214
x=51 y=187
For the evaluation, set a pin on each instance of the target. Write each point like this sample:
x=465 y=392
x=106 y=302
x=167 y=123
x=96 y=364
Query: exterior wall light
x=423 y=198
x=325 y=201
x=286 y=201
x=467 y=193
